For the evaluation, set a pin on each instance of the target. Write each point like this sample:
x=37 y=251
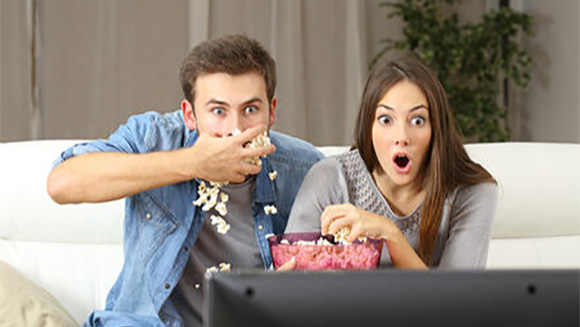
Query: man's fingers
x=247 y=135
x=259 y=151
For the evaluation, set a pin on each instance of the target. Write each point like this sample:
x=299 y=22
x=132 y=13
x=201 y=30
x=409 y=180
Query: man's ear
x=188 y=114
x=273 y=111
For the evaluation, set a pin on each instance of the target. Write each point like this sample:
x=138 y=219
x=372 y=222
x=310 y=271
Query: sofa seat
x=75 y=251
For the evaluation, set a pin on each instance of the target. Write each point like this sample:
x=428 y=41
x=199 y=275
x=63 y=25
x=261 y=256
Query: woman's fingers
x=332 y=213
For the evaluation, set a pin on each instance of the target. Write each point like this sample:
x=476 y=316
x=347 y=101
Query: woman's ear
x=188 y=114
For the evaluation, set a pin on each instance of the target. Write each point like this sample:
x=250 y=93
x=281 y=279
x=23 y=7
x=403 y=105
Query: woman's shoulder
x=476 y=194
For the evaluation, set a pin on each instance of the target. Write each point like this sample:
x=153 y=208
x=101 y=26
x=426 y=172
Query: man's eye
x=251 y=109
x=418 y=121
x=218 y=111
x=385 y=119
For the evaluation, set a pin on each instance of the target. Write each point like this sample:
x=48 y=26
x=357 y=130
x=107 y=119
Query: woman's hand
x=364 y=223
x=360 y=222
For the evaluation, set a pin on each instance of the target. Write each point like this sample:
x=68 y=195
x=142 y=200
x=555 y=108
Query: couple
x=408 y=181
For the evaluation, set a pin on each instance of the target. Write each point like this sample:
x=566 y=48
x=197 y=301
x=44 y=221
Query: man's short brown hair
x=230 y=54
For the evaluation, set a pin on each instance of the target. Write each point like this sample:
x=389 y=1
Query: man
x=159 y=162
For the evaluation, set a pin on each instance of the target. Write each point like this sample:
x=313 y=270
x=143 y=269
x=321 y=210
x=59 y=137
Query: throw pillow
x=24 y=303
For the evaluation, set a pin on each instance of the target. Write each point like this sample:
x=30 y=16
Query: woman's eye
x=384 y=119
x=251 y=109
x=418 y=121
x=218 y=111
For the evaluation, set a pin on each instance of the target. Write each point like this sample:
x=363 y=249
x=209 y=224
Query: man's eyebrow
x=216 y=101
x=421 y=106
x=252 y=100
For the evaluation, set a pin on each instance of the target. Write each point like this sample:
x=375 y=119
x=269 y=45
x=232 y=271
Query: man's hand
x=225 y=159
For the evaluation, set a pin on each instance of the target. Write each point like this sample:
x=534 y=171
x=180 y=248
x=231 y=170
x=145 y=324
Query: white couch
x=75 y=251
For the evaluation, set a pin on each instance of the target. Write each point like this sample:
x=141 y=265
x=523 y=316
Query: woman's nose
x=401 y=136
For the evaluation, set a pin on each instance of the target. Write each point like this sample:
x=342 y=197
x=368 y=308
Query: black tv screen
x=393 y=298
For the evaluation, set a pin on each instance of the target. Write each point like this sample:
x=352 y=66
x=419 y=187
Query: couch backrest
x=75 y=251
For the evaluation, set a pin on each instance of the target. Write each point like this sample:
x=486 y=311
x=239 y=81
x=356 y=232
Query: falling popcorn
x=197 y=286
x=221 y=208
x=270 y=210
x=212 y=270
x=273 y=175
x=221 y=225
x=223 y=267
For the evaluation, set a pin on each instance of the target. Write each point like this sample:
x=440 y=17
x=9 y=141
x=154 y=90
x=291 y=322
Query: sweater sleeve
x=325 y=184
x=471 y=218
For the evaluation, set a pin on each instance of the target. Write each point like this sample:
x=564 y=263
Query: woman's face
x=401 y=134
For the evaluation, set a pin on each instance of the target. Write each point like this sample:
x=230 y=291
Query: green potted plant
x=471 y=59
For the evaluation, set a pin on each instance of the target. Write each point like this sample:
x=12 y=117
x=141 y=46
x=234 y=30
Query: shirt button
x=186 y=248
x=148 y=216
x=260 y=227
x=167 y=286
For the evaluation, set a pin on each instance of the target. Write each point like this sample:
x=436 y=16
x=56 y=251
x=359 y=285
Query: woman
x=408 y=179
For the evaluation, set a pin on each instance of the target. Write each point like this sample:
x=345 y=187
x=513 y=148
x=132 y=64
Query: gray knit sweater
x=465 y=229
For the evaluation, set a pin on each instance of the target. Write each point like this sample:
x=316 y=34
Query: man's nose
x=235 y=124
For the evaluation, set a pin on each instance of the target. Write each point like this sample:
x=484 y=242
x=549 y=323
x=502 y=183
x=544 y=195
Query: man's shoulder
x=157 y=119
x=289 y=148
x=159 y=131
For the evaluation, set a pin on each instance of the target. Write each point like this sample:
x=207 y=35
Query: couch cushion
x=24 y=303
x=539 y=187
x=26 y=203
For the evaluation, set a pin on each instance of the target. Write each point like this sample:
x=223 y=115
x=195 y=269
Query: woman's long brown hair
x=447 y=164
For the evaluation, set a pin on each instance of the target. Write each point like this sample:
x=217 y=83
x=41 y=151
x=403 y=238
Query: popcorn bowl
x=330 y=256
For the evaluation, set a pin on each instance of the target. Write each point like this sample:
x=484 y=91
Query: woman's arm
x=324 y=185
x=470 y=222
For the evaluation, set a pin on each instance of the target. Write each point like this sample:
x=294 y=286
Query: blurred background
x=79 y=68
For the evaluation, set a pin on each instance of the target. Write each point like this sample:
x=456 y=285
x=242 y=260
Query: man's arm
x=104 y=176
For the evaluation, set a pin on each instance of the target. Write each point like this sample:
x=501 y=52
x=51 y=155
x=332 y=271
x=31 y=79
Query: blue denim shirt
x=157 y=237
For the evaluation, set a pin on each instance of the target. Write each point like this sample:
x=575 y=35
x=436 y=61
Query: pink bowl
x=359 y=255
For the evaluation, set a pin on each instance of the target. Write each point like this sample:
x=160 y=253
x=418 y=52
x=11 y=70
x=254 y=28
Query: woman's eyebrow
x=421 y=106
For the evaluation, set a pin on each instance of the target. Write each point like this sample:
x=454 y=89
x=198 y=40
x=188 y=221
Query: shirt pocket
x=156 y=223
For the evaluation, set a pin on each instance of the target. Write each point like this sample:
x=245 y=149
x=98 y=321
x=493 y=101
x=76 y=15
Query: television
x=393 y=298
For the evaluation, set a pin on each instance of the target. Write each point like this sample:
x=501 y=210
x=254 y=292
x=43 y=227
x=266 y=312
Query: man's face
x=224 y=103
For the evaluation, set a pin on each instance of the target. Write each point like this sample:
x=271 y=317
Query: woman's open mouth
x=402 y=163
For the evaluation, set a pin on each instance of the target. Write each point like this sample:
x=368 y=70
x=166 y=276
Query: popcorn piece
x=221 y=208
x=273 y=175
x=270 y=210
x=197 y=286
x=211 y=270
x=261 y=140
x=340 y=235
x=207 y=196
x=225 y=266
x=221 y=225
